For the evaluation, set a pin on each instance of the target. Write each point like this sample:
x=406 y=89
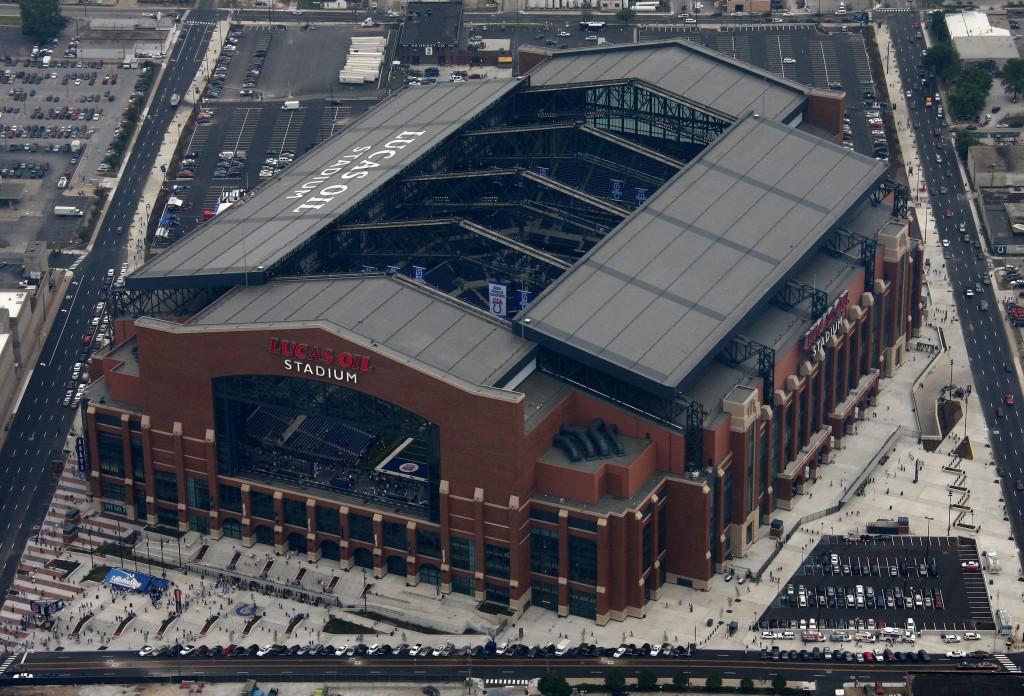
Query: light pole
x=162 y=557
x=949 y=513
x=364 y=590
x=928 y=551
x=951 y=379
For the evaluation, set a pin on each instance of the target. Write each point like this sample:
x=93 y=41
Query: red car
x=938 y=600
x=971 y=566
x=949 y=213
x=1020 y=485
x=1008 y=399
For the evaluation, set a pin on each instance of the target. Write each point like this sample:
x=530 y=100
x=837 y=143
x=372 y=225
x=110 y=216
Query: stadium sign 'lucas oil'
x=308 y=359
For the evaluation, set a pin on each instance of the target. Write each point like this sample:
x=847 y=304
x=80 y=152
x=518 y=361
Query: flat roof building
x=978 y=41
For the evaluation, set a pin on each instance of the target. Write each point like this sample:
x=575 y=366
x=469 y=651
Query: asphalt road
x=987 y=343
x=36 y=436
x=127 y=667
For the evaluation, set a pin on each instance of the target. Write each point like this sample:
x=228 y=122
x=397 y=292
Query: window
x=111 y=419
x=583 y=560
x=582 y=603
x=496 y=561
x=168 y=518
x=463 y=554
x=295 y=513
x=544 y=515
x=115 y=508
x=112 y=491
x=262 y=505
x=462 y=585
x=111 y=454
x=141 y=509
x=199 y=523
x=138 y=460
x=230 y=498
x=428 y=543
x=497 y=594
x=327 y=520
x=662 y=529
x=544 y=595
x=751 y=465
x=544 y=551
x=166 y=486
x=587 y=525
x=648 y=557
x=362 y=528
x=198 y=493
x=394 y=535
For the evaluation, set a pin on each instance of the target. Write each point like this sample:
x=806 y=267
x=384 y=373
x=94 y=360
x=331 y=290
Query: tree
x=746 y=685
x=938 y=27
x=554 y=684
x=625 y=15
x=680 y=680
x=779 y=683
x=943 y=60
x=614 y=681
x=41 y=19
x=975 y=77
x=967 y=100
x=713 y=682
x=647 y=680
x=1013 y=76
x=964 y=140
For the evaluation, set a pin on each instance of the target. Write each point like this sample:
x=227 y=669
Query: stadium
x=553 y=341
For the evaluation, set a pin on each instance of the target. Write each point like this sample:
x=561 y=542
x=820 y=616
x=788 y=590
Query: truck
x=563 y=647
x=290 y=106
x=46 y=61
x=76 y=146
x=67 y=211
x=175 y=99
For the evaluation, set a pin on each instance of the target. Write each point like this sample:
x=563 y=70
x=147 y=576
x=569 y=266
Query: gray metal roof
x=693 y=72
x=392 y=314
x=292 y=207
x=431 y=24
x=661 y=293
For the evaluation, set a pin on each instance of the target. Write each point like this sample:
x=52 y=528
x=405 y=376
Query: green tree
x=713 y=682
x=938 y=27
x=779 y=683
x=554 y=684
x=680 y=680
x=625 y=15
x=943 y=60
x=967 y=100
x=647 y=680
x=964 y=140
x=975 y=77
x=613 y=680
x=41 y=19
x=1013 y=76
x=746 y=685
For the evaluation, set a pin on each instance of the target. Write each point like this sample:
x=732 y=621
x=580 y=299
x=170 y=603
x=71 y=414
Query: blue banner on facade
x=80 y=451
x=419 y=273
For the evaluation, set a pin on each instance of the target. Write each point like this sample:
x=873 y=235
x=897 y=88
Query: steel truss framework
x=740 y=349
x=666 y=411
x=632 y=108
x=842 y=242
x=794 y=292
x=900 y=197
x=178 y=302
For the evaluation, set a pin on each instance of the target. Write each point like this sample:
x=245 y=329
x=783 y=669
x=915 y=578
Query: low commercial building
x=977 y=41
x=430 y=33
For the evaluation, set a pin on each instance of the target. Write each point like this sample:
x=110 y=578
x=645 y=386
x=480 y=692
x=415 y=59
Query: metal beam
x=900 y=197
x=794 y=292
x=574 y=193
x=740 y=349
x=841 y=242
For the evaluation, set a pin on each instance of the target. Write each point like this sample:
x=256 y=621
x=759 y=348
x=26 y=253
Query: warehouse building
x=547 y=342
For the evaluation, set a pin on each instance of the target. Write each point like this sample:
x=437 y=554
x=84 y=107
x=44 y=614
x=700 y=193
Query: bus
x=927 y=102
x=591 y=26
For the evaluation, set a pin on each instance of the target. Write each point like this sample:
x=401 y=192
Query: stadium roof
x=291 y=208
x=659 y=296
x=393 y=314
x=693 y=72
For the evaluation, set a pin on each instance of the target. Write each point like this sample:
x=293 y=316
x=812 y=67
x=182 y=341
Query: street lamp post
x=949 y=513
x=928 y=551
x=162 y=557
x=364 y=590
x=951 y=378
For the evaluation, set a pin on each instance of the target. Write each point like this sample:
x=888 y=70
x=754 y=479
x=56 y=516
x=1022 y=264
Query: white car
x=414 y=649
x=374 y=649
x=950 y=638
x=620 y=651
x=146 y=650
x=956 y=654
x=148 y=14
x=564 y=34
x=340 y=650
x=789 y=61
x=945 y=242
x=265 y=650
x=24 y=675
x=689 y=20
x=187 y=650
x=655 y=650
x=501 y=648
x=972 y=636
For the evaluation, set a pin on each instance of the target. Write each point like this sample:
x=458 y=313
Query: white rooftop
x=972 y=23
x=976 y=40
x=13 y=302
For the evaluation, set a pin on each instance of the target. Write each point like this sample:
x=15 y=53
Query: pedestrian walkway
x=1006 y=663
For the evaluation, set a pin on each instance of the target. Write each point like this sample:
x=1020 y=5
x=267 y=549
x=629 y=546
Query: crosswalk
x=506 y=682
x=1006 y=663
x=8 y=662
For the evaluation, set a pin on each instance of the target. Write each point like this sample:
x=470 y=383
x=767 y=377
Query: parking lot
x=921 y=583
x=58 y=116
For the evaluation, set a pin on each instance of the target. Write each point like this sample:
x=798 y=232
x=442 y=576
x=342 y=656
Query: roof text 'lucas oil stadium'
x=358 y=171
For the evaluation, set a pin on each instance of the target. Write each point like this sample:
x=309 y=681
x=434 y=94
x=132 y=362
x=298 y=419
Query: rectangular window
x=166 y=486
x=295 y=513
x=262 y=505
x=583 y=560
x=662 y=530
x=584 y=523
x=496 y=562
x=199 y=523
x=394 y=536
x=115 y=508
x=111 y=419
x=168 y=518
x=198 y=493
x=462 y=585
x=497 y=594
x=428 y=543
x=544 y=551
x=544 y=515
x=111 y=452
x=141 y=509
x=112 y=491
x=544 y=595
x=230 y=498
x=138 y=460
x=464 y=554
x=361 y=527
x=327 y=520
x=751 y=465
x=648 y=553
x=582 y=603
